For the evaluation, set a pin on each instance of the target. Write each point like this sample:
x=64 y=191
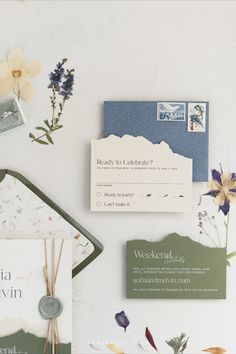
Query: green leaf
x=228 y=263
x=47 y=123
x=49 y=139
x=226 y=224
x=41 y=141
x=41 y=128
x=184 y=346
x=31 y=136
x=57 y=127
x=231 y=255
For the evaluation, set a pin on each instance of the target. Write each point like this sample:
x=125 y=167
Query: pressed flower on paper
x=61 y=83
x=16 y=74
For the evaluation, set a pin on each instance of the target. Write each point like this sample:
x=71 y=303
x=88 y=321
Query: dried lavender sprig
x=61 y=83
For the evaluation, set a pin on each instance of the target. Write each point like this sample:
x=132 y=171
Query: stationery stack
x=150 y=155
x=36 y=296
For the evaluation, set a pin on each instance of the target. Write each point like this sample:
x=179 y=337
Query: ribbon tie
x=50 y=307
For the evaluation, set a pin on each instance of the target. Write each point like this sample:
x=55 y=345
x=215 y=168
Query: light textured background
x=140 y=50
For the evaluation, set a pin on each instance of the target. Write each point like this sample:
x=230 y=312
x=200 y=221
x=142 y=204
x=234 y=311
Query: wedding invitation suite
x=133 y=174
x=175 y=268
x=35 y=296
x=182 y=125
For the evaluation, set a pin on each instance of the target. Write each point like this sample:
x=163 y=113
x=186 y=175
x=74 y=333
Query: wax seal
x=50 y=307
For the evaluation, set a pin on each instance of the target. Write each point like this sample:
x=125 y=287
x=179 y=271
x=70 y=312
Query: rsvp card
x=132 y=174
x=35 y=296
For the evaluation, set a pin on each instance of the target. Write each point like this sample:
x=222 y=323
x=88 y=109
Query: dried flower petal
x=26 y=90
x=215 y=350
x=115 y=349
x=94 y=347
x=150 y=339
x=216 y=176
x=122 y=320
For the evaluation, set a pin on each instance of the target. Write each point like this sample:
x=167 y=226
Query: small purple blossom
x=56 y=76
x=122 y=320
x=66 y=90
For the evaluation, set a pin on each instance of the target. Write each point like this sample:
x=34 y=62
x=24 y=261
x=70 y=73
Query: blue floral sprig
x=61 y=83
x=222 y=187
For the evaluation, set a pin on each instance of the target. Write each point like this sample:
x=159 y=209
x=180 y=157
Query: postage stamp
x=171 y=111
x=196 y=117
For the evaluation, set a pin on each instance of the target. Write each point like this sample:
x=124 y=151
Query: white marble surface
x=124 y=50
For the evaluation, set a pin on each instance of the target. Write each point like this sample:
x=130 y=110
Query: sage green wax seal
x=50 y=307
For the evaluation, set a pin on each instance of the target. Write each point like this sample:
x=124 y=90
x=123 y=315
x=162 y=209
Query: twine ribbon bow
x=52 y=338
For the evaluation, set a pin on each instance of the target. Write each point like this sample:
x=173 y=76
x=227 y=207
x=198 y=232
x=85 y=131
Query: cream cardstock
x=133 y=174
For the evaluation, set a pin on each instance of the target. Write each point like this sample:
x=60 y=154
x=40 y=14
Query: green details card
x=175 y=268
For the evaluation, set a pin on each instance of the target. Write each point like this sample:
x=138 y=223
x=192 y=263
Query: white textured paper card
x=133 y=174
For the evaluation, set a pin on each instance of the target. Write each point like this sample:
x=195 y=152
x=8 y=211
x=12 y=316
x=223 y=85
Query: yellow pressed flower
x=226 y=189
x=115 y=349
x=222 y=188
x=215 y=350
x=15 y=75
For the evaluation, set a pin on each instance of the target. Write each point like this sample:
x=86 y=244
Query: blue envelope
x=183 y=125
